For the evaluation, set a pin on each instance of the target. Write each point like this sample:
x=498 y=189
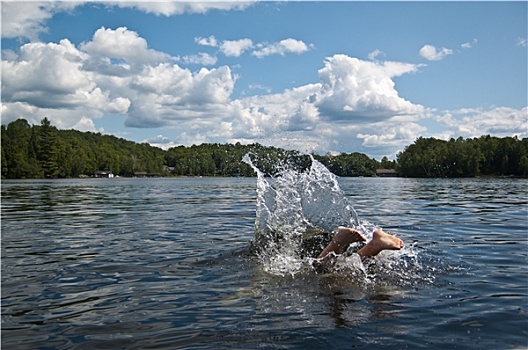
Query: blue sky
x=366 y=77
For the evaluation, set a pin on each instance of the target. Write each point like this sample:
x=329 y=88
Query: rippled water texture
x=165 y=263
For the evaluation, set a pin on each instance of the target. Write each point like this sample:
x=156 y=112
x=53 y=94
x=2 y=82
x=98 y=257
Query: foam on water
x=293 y=202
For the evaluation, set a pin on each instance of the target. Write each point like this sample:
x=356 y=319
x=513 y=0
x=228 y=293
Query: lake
x=165 y=263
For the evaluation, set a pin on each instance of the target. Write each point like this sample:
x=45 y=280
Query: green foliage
x=353 y=164
x=47 y=149
x=19 y=159
x=43 y=151
x=486 y=155
x=226 y=160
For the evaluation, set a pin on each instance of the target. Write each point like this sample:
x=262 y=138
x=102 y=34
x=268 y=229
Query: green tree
x=387 y=164
x=44 y=151
x=523 y=165
x=47 y=149
x=19 y=155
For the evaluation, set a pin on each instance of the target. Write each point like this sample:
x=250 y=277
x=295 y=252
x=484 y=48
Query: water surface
x=164 y=263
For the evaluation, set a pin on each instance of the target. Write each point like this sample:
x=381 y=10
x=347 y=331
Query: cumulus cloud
x=27 y=19
x=50 y=76
x=475 y=122
x=521 y=42
x=81 y=119
x=394 y=135
x=167 y=94
x=431 y=53
x=354 y=104
x=210 y=41
x=351 y=106
x=72 y=85
x=170 y=8
x=276 y=113
x=362 y=91
x=63 y=82
x=235 y=48
x=123 y=44
x=158 y=140
x=281 y=48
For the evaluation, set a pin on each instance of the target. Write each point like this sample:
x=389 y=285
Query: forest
x=483 y=156
x=43 y=151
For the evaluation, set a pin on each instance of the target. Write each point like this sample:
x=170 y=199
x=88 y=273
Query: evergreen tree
x=44 y=151
x=48 y=149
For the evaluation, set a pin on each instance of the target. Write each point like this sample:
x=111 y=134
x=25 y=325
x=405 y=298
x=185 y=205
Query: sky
x=323 y=77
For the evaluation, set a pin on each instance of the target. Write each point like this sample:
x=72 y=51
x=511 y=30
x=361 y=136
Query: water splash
x=294 y=200
x=299 y=206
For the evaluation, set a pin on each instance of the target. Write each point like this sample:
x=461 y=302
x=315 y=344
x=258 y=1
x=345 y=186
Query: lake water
x=165 y=264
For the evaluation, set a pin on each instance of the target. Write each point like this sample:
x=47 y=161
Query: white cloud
x=374 y=54
x=27 y=19
x=50 y=76
x=469 y=45
x=202 y=59
x=85 y=124
x=74 y=85
x=170 y=8
x=159 y=141
x=281 y=48
x=167 y=94
x=210 y=41
x=81 y=119
x=431 y=53
x=392 y=135
x=279 y=112
x=362 y=91
x=235 y=48
x=305 y=117
x=521 y=42
x=353 y=106
x=62 y=81
x=123 y=44
x=475 y=122
x=266 y=89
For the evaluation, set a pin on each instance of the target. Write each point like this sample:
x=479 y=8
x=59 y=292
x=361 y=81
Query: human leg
x=343 y=237
x=380 y=241
x=346 y=236
x=341 y=240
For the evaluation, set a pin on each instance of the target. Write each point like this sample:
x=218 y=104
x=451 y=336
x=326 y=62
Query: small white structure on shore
x=104 y=174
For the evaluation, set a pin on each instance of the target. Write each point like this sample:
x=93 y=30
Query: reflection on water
x=165 y=263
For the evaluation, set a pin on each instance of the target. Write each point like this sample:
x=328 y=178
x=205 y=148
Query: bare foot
x=380 y=241
x=341 y=240
x=343 y=237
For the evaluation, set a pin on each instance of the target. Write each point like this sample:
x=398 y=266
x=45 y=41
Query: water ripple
x=164 y=263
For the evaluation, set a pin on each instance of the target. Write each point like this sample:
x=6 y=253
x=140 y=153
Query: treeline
x=43 y=151
x=225 y=160
x=487 y=155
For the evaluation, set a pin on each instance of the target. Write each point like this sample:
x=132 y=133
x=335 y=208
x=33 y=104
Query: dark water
x=164 y=264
